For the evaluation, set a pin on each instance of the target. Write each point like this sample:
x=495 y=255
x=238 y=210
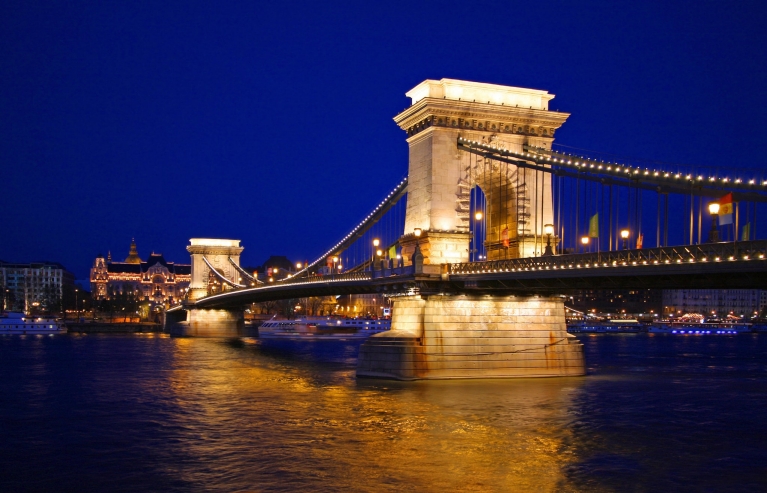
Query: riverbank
x=111 y=328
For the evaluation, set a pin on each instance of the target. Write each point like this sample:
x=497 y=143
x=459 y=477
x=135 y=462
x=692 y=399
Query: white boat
x=322 y=328
x=18 y=323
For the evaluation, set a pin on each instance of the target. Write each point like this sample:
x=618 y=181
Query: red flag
x=725 y=209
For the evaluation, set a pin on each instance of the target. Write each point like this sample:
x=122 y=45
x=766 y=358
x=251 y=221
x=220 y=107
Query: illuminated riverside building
x=715 y=302
x=155 y=279
x=36 y=284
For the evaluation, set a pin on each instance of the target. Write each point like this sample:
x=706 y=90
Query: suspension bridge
x=476 y=246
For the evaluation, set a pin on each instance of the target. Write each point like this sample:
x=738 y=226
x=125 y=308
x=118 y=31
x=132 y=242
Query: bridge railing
x=389 y=271
x=708 y=252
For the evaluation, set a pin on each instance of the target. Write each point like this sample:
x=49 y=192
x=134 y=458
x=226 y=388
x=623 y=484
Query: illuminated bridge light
x=731 y=257
x=745 y=257
x=692 y=260
x=716 y=259
x=703 y=259
x=634 y=262
x=654 y=261
x=761 y=256
x=678 y=261
x=668 y=261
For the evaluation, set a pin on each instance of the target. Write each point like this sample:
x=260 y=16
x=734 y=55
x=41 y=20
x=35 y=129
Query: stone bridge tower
x=440 y=177
x=474 y=334
x=217 y=252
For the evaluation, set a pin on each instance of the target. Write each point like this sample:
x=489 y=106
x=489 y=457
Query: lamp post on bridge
x=585 y=243
x=549 y=230
x=625 y=236
x=713 y=209
x=376 y=242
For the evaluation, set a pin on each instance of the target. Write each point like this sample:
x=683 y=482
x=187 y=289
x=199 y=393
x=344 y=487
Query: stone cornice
x=470 y=115
x=214 y=250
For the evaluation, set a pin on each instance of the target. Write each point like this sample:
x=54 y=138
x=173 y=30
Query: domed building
x=155 y=280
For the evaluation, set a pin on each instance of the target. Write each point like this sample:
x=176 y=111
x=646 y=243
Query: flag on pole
x=393 y=251
x=640 y=239
x=505 y=237
x=594 y=226
x=746 y=232
x=725 y=209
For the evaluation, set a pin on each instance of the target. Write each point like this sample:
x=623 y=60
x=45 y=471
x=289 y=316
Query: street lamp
x=585 y=243
x=713 y=209
x=625 y=236
x=77 y=306
x=548 y=229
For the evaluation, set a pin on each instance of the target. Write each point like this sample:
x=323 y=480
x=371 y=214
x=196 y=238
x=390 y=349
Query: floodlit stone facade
x=441 y=177
x=217 y=252
x=473 y=336
x=155 y=280
x=439 y=337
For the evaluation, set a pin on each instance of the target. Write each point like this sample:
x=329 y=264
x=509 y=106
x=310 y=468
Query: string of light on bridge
x=359 y=226
x=622 y=170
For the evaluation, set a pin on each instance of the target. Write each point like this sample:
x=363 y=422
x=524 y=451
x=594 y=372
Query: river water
x=153 y=413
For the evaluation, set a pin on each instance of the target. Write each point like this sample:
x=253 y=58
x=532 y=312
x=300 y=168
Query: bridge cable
x=223 y=278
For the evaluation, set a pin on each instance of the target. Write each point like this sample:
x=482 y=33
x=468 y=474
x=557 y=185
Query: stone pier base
x=443 y=337
x=210 y=323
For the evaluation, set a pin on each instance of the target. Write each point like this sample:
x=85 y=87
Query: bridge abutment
x=202 y=322
x=464 y=336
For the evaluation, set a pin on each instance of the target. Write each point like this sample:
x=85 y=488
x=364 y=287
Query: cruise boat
x=605 y=327
x=322 y=328
x=702 y=328
x=18 y=323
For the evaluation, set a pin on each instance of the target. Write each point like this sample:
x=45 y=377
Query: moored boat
x=18 y=323
x=605 y=327
x=703 y=328
x=322 y=328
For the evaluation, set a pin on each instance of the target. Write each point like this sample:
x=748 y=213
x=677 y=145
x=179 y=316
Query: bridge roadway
x=733 y=265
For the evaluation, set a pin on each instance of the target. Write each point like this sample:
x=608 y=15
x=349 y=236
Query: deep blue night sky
x=272 y=122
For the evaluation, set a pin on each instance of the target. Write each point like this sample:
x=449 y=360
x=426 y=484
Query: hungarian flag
x=725 y=209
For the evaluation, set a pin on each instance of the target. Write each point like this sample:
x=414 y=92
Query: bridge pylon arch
x=218 y=253
x=440 y=177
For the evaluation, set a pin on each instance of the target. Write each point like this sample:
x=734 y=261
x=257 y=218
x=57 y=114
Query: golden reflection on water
x=299 y=426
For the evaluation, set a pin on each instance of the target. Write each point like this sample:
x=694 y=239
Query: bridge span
x=488 y=248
